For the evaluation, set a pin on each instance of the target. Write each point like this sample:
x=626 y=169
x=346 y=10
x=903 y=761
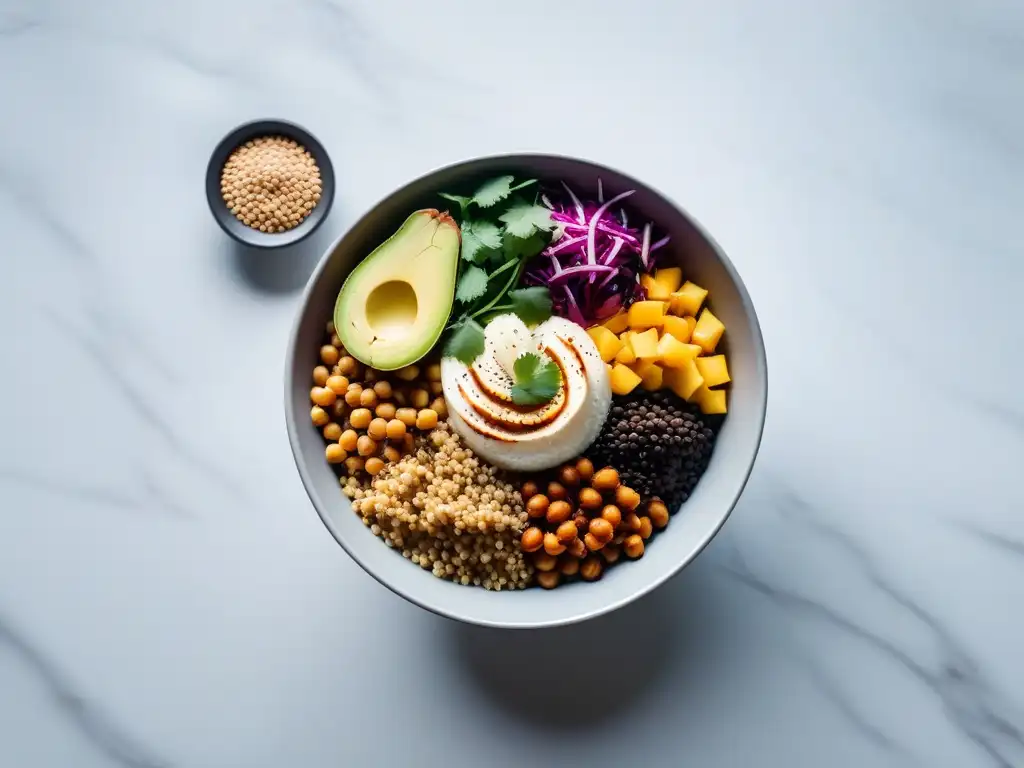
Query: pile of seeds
x=271 y=183
x=661 y=443
x=447 y=512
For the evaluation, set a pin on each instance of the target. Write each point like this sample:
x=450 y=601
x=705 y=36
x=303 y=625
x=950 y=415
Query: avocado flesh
x=394 y=305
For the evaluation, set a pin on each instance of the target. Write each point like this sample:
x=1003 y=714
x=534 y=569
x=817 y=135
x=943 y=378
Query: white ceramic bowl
x=692 y=526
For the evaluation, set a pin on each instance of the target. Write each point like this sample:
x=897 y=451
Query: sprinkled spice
x=271 y=183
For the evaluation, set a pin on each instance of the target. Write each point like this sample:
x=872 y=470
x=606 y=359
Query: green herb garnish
x=501 y=232
x=466 y=342
x=537 y=380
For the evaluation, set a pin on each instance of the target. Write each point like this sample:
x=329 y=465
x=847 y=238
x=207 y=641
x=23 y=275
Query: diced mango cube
x=714 y=370
x=707 y=332
x=645 y=345
x=617 y=323
x=608 y=344
x=669 y=278
x=692 y=322
x=623 y=380
x=678 y=327
x=626 y=356
x=710 y=400
x=673 y=353
x=647 y=314
x=684 y=381
x=687 y=300
x=650 y=374
x=654 y=290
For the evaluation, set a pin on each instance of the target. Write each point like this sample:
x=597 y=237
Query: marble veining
x=169 y=598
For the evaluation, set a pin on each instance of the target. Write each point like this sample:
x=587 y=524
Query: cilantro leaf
x=478 y=238
x=523 y=184
x=472 y=284
x=493 y=191
x=466 y=343
x=522 y=219
x=532 y=305
x=537 y=380
x=462 y=201
x=515 y=248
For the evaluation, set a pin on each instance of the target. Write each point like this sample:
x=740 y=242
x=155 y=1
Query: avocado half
x=394 y=305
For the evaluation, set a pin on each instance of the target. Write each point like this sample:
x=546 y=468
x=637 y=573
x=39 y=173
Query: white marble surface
x=169 y=598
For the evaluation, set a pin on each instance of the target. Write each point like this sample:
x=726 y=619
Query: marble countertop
x=168 y=597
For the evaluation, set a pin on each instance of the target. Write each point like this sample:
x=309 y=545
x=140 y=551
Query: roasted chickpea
x=436 y=387
x=378 y=429
x=320 y=375
x=366 y=445
x=529 y=489
x=409 y=373
x=406 y=415
x=374 y=465
x=385 y=411
x=335 y=453
x=552 y=545
x=611 y=553
x=322 y=396
x=592 y=542
x=569 y=565
x=590 y=499
x=646 y=528
x=532 y=539
x=401 y=397
x=419 y=398
x=548 y=579
x=612 y=514
x=601 y=529
x=353 y=395
x=347 y=365
x=537 y=506
x=408 y=442
x=556 y=491
x=339 y=409
x=658 y=513
x=383 y=389
x=332 y=431
x=542 y=561
x=354 y=464
x=348 y=440
x=590 y=569
x=368 y=398
x=633 y=546
x=627 y=498
x=558 y=512
x=582 y=521
x=576 y=548
x=567 y=532
x=331 y=328
x=370 y=375
x=395 y=429
x=434 y=372
x=336 y=342
x=391 y=453
x=318 y=415
x=586 y=469
x=329 y=354
x=360 y=418
x=569 y=476
x=440 y=406
x=338 y=385
x=606 y=479
x=426 y=419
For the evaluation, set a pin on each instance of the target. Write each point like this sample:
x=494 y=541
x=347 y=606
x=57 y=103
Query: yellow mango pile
x=667 y=341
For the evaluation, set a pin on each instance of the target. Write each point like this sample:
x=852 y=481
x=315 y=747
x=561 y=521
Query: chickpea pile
x=448 y=512
x=584 y=520
x=369 y=417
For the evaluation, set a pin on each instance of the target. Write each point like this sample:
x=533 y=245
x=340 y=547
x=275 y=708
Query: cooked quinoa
x=448 y=512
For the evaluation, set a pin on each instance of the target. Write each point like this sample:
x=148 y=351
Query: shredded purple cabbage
x=593 y=265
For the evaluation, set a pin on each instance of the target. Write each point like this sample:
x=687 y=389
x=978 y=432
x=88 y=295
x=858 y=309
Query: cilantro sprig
x=501 y=232
x=536 y=380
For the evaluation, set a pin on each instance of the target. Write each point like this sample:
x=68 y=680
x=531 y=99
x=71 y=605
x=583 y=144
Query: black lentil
x=660 y=444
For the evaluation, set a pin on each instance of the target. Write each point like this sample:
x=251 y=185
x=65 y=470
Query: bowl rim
x=242 y=233
x=757 y=339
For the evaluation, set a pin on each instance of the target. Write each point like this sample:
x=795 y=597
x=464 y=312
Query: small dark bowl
x=244 y=233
